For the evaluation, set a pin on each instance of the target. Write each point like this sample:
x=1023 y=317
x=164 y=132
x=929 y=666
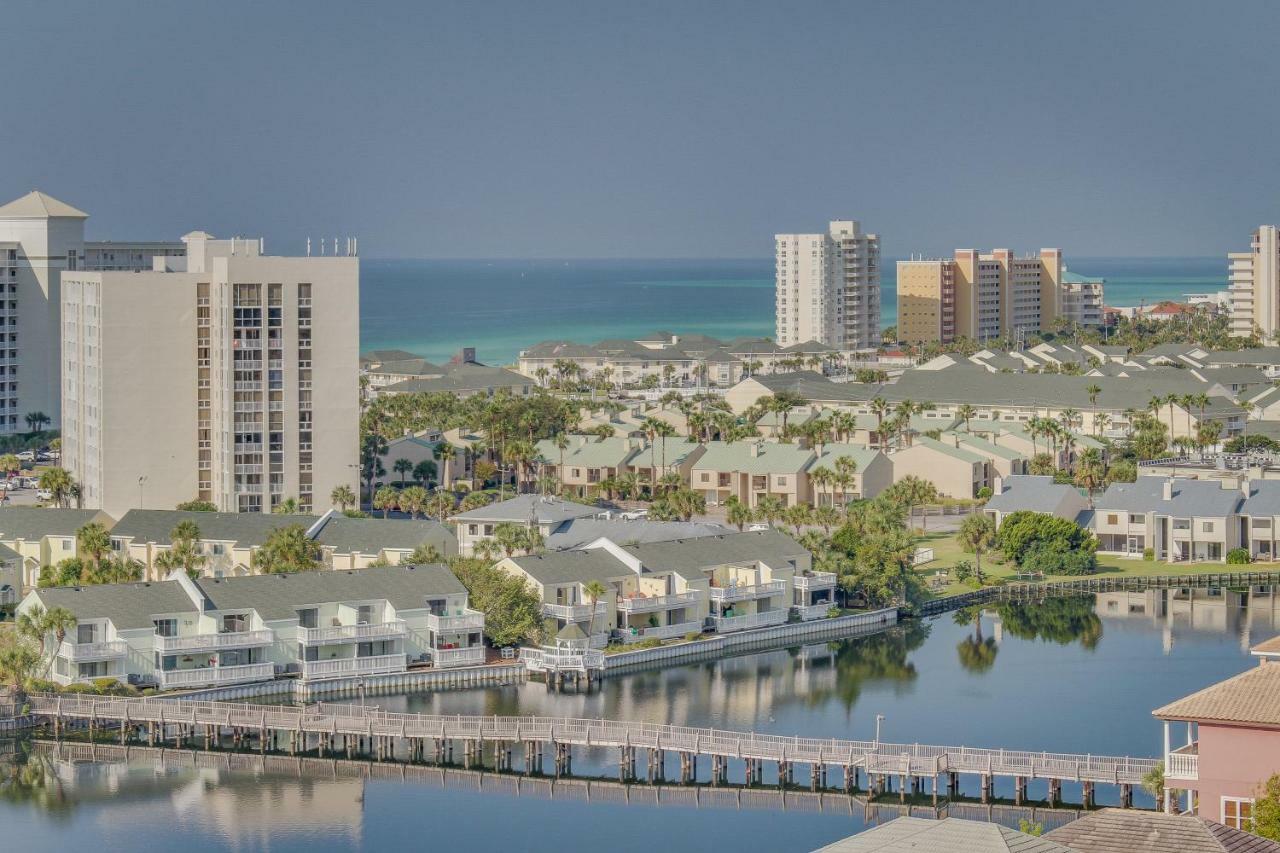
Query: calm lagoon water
x=436 y=307
x=1078 y=675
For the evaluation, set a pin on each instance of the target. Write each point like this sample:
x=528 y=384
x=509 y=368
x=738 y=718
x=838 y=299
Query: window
x=307 y=618
x=1135 y=519
x=1206 y=527
x=1113 y=519
x=166 y=627
x=1237 y=813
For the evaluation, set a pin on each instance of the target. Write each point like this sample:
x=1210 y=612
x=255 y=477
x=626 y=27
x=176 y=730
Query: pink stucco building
x=1232 y=742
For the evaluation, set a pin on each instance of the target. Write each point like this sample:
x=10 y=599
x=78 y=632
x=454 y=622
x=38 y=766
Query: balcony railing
x=540 y=660
x=813 y=611
x=352 y=633
x=666 y=632
x=573 y=612
x=725 y=624
x=341 y=667
x=468 y=620
x=742 y=592
x=651 y=603
x=814 y=581
x=473 y=656
x=1184 y=763
x=213 y=642
x=93 y=651
x=215 y=675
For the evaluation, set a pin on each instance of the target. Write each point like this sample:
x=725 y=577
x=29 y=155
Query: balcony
x=667 y=632
x=344 y=667
x=107 y=650
x=352 y=633
x=573 y=612
x=543 y=660
x=215 y=675
x=213 y=642
x=467 y=620
x=444 y=658
x=1183 y=764
x=814 y=581
x=653 y=603
x=725 y=594
x=810 y=612
x=726 y=624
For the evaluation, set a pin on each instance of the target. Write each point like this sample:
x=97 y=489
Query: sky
x=652 y=129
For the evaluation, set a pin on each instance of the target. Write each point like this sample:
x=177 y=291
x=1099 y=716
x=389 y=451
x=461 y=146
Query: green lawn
x=947 y=552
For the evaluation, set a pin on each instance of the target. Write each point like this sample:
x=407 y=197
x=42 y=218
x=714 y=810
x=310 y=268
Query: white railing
x=646 y=604
x=666 y=632
x=467 y=620
x=743 y=592
x=93 y=651
x=573 y=612
x=598 y=640
x=339 y=667
x=540 y=660
x=1183 y=765
x=813 y=611
x=213 y=675
x=752 y=620
x=814 y=580
x=473 y=656
x=203 y=642
x=349 y=633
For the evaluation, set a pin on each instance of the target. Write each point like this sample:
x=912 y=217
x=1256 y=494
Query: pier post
x=986 y=788
x=1126 y=796
x=1055 y=791
x=953 y=785
x=1019 y=790
x=1088 y=795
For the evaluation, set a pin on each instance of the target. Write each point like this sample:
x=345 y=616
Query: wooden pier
x=915 y=770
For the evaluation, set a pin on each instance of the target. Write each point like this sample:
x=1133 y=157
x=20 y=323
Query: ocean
x=436 y=307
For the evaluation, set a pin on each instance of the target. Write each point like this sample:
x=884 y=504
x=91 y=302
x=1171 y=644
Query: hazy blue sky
x=650 y=129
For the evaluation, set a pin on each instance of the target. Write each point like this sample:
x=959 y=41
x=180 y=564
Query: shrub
x=985 y=493
x=833 y=612
x=1238 y=556
x=1053 y=560
x=649 y=643
x=692 y=635
x=1024 y=529
x=1148 y=554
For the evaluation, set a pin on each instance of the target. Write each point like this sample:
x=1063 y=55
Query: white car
x=27 y=455
x=757 y=527
x=44 y=495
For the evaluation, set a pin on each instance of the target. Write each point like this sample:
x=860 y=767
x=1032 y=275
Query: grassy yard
x=947 y=552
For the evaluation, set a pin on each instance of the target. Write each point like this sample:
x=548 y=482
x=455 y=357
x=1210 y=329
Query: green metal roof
x=772 y=457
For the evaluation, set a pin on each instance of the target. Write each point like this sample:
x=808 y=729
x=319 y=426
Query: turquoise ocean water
x=435 y=307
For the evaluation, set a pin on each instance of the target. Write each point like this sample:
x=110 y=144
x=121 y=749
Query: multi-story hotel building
x=40 y=238
x=828 y=287
x=989 y=295
x=228 y=375
x=1255 y=286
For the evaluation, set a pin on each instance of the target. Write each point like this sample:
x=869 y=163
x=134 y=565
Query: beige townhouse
x=587 y=460
x=872 y=473
x=1177 y=519
x=44 y=536
x=749 y=470
x=227 y=540
x=957 y=472
x=358 y=543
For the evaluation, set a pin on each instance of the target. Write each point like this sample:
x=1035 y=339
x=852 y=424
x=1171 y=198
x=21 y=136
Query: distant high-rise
x=227 y=375
x=828 y=287
x=990 y=295
x=1255 y=286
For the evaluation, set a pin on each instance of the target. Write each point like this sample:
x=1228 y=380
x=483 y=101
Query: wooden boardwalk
x=337 y=727
x=1093 y=584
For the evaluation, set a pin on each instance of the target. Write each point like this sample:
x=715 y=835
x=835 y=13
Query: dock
x=920 y=770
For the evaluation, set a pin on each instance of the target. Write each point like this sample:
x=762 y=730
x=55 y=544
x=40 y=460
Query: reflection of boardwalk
x=572 y=789
x=329 y=727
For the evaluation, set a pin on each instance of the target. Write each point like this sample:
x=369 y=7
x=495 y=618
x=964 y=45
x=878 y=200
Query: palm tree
x=386 y=499
x=594 y=590
x=10 y=463
x=770 y=508
x=521 y=454
x=424 y=471
x=738 y=513
x=1093 y=391
x=37 y=624
x=288 y=506
x=402 y=467
x=342 y=496
x=412 y=500
x=444 y=454
x=440 y=504
x=879 y=408
x=821 y=477
x=846 y=468
x=1208 y=435
x=781 y=404
x=977 y=534
x=93 y=543
x=1100 y=423
x=184 y=549
x=798 y=515
x=287 y=549
x=58 y=482
x=965 y=412
x=1089 y=469
x=36 y=421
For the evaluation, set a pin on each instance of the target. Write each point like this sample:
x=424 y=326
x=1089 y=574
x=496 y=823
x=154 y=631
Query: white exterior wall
x=1255 y=286
x=828 y=287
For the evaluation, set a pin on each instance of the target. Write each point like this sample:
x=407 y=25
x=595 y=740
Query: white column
x=1168 y=793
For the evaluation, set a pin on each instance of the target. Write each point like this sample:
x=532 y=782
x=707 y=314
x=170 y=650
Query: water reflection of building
x=1252 y=614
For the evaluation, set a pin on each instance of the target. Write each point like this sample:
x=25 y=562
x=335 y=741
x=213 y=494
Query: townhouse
x=227 y=540
x=10 y=576
x=956 y=471
x=667 y=456
x=357 y=543
x=749 y=470
x=218 y=631
x=872 y=473
x=587 y=460
x=545 y=513
x=1036 y=494
x=729 y=582
x=44 y=536
x=465 y=379
x=1176 y=519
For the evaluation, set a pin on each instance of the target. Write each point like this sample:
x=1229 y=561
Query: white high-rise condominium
x=40 y=238
x=1255 y=286
x=828 y=287
x=228 y=376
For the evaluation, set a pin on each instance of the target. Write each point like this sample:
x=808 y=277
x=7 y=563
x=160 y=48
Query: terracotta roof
x=1133 y=831
x=948 y=835
x=1252 y=697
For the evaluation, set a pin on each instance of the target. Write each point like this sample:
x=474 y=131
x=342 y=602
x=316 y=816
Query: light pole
x=879 y=720
x=141 y=481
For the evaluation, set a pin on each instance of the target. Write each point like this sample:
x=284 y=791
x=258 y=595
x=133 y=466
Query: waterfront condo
x=828 y=287
x=226 y=375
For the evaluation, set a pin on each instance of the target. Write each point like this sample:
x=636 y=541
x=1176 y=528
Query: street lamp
x=141 y=481
x=879 y=720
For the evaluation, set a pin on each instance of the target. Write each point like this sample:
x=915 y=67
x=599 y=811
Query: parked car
x=44 y=495
x=27 y=455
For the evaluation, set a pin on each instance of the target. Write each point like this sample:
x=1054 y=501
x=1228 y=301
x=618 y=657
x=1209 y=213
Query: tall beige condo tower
x=228 y=375
x=1255 y=286
x=828 y=287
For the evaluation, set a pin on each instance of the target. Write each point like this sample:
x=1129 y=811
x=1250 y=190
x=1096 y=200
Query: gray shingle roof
x=128 y=605
x=1257 y=355
x=371 y=535
x=409 y=367
x=581 y=531
x=524 y=507
x=378 y=356
x=244 y=528
x=1134 y=831
x=29 y=522
x=279 y=596
x=1190 y=498
x=1038 y=494
x=949 y=835
x=814 y=386
x=463 y=378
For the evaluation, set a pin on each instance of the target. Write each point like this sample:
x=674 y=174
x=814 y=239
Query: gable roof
x=1252 y=698
x=577 y=532
x=1190 y=497
x=243 y=528
x=378 y=356
x=964 y=454
x=1030 y=492
x=773 y=457
x=590 y=451
x=31 y=522
x=948 y=835
x=129 y=606
x=522 y=508
x=408 y=367
x=371 y=535
x=37 y=205
x=279 y=596
x=862 y=456
x=1134 y=831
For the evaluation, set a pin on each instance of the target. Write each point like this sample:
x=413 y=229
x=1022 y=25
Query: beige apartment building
x=828 y=287
x=989 y=295
x=228 y=375
x=1255 y=286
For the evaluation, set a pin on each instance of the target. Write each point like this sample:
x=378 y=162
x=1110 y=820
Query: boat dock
x=334 y=729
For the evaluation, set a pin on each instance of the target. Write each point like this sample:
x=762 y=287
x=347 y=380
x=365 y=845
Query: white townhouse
x=218 y=631
x=1035 y=494
x=1178 y=519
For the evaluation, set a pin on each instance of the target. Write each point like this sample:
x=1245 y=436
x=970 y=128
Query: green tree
x=977 y=534
x=10 y=464
x=977 y=653
x=512 y=608
x=594 y=591
x=424 y=471
x=288 y=506
x=423 y=554
x=386 y=499
x=58 y=482
x=1024 y=529
x=36 y=421
x=342 y=497
x=737 y=513
x=19 y=659
x=38 y=626
x=197 y=506
x=402 y=467
x=184 y=550
x=287 y=549
x=770 y=508
x=912 y=491
x=1266 y=809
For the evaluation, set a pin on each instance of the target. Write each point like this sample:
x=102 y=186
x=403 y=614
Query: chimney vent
x=1168 y=489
